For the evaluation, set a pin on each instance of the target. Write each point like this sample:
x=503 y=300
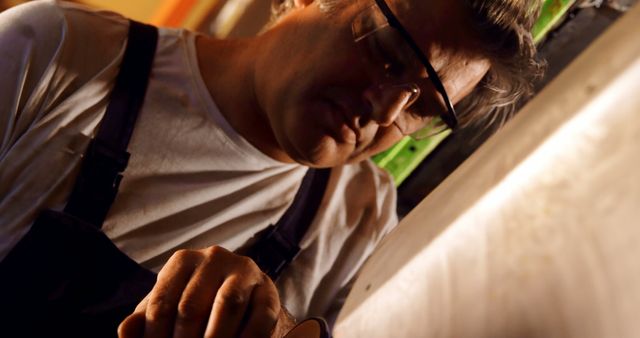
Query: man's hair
x=504 y=28
x=504 y=31
x=281 y=7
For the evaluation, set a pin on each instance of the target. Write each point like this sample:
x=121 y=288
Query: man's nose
x=388 y=101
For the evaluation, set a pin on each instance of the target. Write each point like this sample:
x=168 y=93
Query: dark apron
x=65 y=278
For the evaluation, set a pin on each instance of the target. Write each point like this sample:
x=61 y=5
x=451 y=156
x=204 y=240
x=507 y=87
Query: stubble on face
x=295 y=90
x=315 y=59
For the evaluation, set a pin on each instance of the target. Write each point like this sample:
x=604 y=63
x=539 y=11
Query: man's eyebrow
x=331 y=7
x=403 y=6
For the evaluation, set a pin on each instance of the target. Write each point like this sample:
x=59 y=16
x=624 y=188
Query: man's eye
x=393 y=69
x=392 y=66
x=418 y=110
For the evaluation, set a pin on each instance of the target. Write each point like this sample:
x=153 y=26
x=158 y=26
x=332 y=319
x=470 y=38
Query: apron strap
x=280 y=243
x=107 y=157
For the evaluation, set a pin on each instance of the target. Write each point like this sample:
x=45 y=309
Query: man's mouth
x=344 y=127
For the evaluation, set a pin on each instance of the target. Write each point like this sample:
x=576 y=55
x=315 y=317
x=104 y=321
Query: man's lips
x=342 y=125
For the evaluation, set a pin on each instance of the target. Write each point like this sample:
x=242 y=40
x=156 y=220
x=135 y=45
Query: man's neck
x=227 y=67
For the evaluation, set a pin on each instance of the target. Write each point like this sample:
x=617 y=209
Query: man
x=228 y=129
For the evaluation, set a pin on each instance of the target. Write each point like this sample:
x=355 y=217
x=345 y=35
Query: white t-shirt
x=192 y=181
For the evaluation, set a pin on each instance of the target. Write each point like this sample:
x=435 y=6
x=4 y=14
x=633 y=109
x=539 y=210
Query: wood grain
x=538 y=233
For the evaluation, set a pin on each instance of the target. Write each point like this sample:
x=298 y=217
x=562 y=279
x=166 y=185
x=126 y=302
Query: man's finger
x=229 y=307
x=142 y=306
x=132 y=326
x=196 y=302
x=162 y=305
x=264 y=311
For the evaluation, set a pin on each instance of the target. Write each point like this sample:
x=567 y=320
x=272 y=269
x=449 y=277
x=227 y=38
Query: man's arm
x=30 y=36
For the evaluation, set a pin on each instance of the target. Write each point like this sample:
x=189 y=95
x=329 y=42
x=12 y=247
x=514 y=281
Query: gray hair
x=504 y=31
x=281 y=7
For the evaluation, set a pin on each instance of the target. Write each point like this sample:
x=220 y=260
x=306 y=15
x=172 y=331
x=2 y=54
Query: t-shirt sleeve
x=49 y=50
x=30 y=36
x=58 y=61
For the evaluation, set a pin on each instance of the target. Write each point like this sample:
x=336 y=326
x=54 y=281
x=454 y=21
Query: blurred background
x=565 y=28
x=218 y=17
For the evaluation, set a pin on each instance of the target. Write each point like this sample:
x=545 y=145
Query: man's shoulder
x=366 y=173
x=49 y=32
x=366 y=192
x=53 y=17
x=36 y=23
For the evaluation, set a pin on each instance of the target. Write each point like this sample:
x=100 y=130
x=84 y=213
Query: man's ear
x=302 y=3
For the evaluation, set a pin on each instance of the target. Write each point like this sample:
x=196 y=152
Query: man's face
x=316 y=92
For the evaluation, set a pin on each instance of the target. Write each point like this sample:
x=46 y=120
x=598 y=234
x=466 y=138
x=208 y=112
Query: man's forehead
x=426 y=18
x=435 y=23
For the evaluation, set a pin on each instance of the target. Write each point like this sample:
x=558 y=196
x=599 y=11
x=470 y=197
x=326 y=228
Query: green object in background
x=404 y=157
x=552 y=13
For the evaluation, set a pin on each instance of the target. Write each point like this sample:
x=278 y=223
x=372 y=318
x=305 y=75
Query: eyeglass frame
x=450 y=118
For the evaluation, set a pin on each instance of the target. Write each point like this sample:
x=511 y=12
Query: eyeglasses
x=392 y=57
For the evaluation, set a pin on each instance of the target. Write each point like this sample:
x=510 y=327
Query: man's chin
x=325 y=154
x=320 y=162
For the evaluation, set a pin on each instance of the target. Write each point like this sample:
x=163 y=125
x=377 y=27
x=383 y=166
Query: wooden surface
x=538 y=233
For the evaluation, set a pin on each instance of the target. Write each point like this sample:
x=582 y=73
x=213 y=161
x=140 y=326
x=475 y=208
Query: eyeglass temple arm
x=452 y=120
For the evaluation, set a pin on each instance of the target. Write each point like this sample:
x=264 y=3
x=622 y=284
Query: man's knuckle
x=271 y=310
x=158 y=310
x=248 y=263
x=215 y=251
x=266 y=280
x=189 y=310
x=232 y=299
x=182 y=255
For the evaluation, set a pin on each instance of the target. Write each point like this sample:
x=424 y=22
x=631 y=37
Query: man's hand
x=286 y=322
x=206 y=293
